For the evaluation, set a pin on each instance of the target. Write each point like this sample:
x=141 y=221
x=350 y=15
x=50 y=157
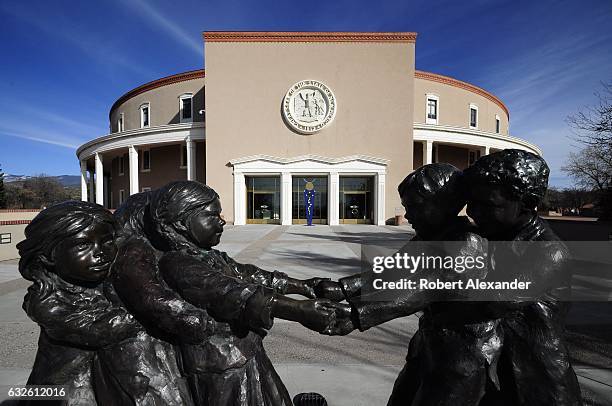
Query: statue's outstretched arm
x=280 y=282
x=138 y=283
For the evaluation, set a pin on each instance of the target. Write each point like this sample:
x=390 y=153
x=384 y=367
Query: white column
x=428 y=153
x=91 y=187
x=99 y=179
x=487 y=150
x=84 y=180
x=286 y=215
x=334 y=199
x=191 y=159
x=380 y=200
x=133 y=161
x=239 y=199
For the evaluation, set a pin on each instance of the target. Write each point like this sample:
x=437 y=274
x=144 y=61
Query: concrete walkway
x=358 y=369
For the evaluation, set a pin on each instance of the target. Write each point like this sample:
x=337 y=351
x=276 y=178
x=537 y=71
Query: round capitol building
x=340 y=116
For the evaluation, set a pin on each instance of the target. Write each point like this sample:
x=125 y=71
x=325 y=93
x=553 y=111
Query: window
x=473 y=116
x=5 y=238
x=432 y=109
x=146 y=189
x=121 y=196
x=186 y=108
x=183 y=156
x=121 y=165
x=145 y=115
x=146 y=160
x=473 y=156
x=497 y=124
x=120 y=126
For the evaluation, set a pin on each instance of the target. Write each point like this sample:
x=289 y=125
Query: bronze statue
x=454 y=353
x=68 y=253
x=513 y=349
x=504 y=190
x=229 y=366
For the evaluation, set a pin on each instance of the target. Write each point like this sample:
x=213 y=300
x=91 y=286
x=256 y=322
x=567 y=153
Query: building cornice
x=434 y=77
x=168 y=80
x=264 y=36
x=157 y=134
x=482 y=137
x=309 y=157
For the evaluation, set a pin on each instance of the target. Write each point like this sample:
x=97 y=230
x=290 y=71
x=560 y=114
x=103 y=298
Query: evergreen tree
x=2 y=192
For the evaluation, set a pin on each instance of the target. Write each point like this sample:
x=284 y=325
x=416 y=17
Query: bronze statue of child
x=68 y=253
x=229 y=367
x=504 y=191
x=453 y=355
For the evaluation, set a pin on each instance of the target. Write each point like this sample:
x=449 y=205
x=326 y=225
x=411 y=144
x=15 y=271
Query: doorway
x=356 y=200
x=316 y=186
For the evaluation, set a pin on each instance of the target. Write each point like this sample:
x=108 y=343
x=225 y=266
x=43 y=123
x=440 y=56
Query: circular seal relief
x=309 y=106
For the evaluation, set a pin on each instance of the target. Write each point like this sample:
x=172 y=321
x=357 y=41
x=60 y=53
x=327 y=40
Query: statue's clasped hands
x=335 y=316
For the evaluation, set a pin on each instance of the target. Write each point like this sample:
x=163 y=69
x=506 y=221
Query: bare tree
x=593 y=125
x=592 y=166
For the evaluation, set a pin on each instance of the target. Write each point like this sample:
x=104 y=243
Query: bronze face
x=86 y=256
x=425 y=215
x=206 y=226
x=493 y=211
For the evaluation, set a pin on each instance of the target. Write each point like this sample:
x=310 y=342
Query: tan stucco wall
x=10 y=215
x=163 y=104
x=454 y=106
x=9 y=251
x=165 y=167
x=246 y=83
x=17 y=231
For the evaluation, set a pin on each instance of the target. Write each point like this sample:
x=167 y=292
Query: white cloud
x=30 y=137
x=161 y=21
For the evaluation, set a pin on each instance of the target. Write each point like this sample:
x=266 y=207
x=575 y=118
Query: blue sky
x=63 y=63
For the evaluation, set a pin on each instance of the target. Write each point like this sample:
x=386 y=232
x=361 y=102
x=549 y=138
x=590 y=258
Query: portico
x=127 y=160
x=334 y=170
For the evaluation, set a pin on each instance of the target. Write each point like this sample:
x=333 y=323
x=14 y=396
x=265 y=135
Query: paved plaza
x=358 y=369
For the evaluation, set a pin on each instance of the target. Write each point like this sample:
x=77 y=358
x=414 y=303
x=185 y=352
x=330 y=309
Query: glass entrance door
x=314 y=185
x=356 y=200
x=263 y=199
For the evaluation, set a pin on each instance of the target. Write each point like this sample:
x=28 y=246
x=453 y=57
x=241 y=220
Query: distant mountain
x=64 y=180
x=69 y=180
x=8 y=178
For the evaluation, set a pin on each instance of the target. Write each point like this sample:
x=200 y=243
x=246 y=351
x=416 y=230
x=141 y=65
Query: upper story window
x=432 y=109
x=186 y=107
x=120 y=123
x=497 y=124
x=145 y=115
x=473 y=116
x=146 y=160
x=121 y=165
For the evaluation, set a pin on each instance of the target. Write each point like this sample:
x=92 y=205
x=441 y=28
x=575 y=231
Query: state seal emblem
x=309 y=106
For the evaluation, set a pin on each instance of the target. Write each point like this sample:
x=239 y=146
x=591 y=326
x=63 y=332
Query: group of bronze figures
x=138 y=308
